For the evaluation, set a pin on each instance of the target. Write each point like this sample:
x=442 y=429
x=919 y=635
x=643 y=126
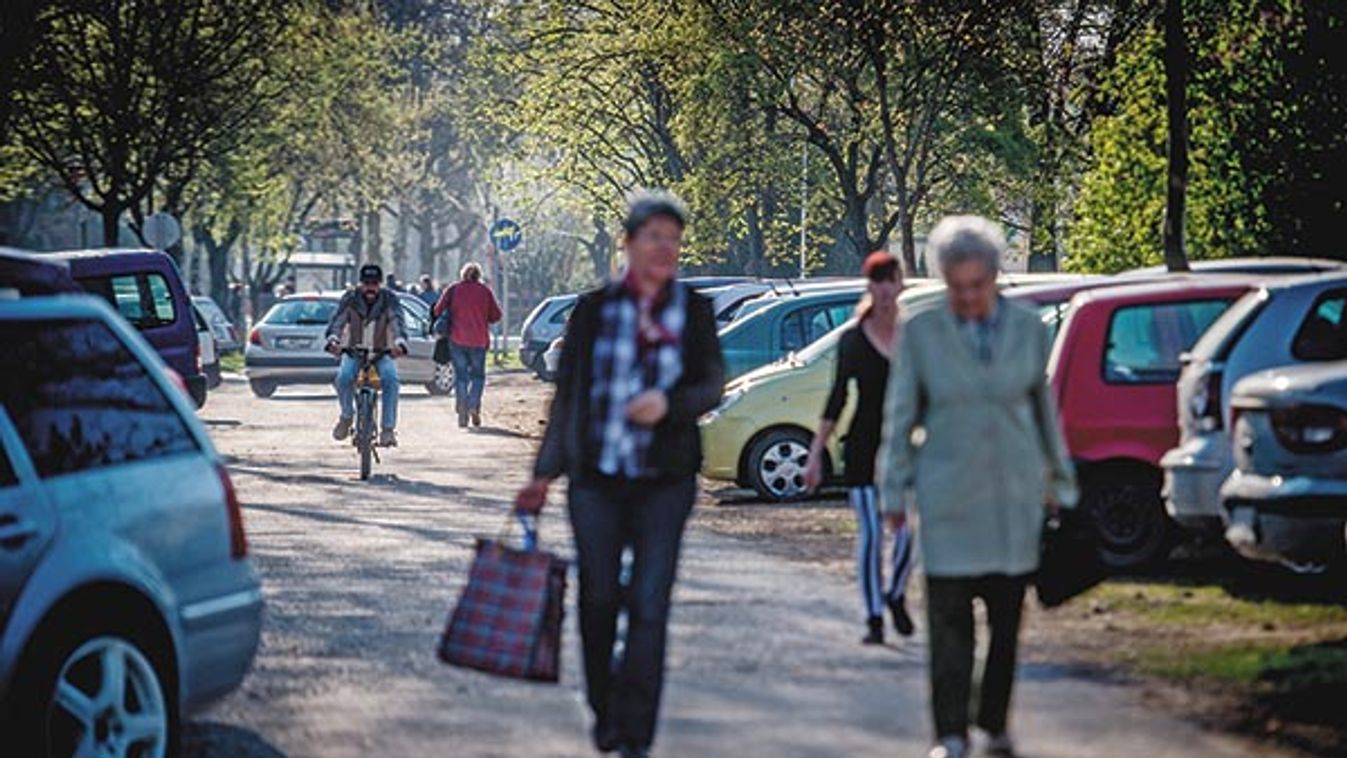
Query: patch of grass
x=1277 y=667
x=1239 y=662
x=509 y=361
x=232 y=362
x=1205 y=605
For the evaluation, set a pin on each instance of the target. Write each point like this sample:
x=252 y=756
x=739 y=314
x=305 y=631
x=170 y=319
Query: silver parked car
x=1287 y=497
x=1296 y=320
x=544 y=324
x=126 y=596
x=286 y=346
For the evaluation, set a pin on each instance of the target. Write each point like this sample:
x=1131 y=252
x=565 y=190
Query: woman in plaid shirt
x=640 y=363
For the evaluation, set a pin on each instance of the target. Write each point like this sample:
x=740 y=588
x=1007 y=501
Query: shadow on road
x=1213 y=564
x=493 y=431
x=332 y=517
x=212 y=740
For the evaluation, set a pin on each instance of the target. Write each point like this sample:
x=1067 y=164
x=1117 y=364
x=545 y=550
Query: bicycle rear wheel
x=364 y=430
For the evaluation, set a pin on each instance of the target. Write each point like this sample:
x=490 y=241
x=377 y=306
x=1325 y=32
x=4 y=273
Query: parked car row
x=1297 y=321
x=115 y=622
x=1121 y=346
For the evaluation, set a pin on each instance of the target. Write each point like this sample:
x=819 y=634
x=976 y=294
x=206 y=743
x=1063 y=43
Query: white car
x=127 y=599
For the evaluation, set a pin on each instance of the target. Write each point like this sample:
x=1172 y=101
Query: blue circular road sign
x=506 y=235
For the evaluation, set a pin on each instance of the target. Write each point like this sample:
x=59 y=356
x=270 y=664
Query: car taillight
x=238 y=541
x=1310 y=428
x=198 y=357
x=1205 y=404
x=255 y=337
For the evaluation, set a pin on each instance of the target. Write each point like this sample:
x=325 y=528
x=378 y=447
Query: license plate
x=293 y=343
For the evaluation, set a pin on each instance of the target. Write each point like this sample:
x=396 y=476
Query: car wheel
x=98 y=690
x=1129 y=517
x=443 y=383
x=776 y=463
x=262 y=387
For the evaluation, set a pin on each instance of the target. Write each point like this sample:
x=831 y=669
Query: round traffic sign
x=506 y=235
x=162 y=230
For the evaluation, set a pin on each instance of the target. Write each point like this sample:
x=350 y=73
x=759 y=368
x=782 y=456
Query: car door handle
x=15 y=531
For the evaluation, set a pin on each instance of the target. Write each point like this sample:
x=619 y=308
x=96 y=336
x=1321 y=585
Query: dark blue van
x=144 y=286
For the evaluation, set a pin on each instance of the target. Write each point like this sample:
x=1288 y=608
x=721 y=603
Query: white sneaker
x=950 y=747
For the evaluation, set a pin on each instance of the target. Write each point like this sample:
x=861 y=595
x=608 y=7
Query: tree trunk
x=908 y=239
x=112 y=214
x=855 y=228
x=373 y=238
x=1176 y=81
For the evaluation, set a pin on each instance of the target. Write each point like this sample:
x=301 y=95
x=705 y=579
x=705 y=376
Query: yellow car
x=759 y=434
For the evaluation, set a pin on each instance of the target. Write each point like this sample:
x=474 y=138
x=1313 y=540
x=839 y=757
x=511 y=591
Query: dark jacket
x=567 y=448
x=353 y=314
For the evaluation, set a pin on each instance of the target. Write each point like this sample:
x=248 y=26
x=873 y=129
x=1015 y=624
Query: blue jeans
x=388 y=377
x=469 y=376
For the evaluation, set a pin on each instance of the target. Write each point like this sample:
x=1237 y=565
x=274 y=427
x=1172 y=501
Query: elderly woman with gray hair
x=991 y=458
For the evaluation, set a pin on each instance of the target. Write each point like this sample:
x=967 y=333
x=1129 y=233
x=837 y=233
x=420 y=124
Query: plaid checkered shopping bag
x=508 y=619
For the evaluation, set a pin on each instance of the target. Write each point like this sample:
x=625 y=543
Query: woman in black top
x=863 y=355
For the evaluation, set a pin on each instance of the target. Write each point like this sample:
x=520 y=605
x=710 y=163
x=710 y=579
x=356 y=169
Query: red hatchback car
x=1113 y=369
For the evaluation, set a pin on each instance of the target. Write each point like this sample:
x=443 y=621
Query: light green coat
x=992 y=452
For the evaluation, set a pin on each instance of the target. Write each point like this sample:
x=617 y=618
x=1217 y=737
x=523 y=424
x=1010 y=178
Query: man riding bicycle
x=368 y=318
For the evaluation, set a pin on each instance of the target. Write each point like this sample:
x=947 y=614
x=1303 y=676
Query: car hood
x=1317 y=383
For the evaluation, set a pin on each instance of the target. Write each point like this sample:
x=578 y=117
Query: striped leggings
x=870 y=546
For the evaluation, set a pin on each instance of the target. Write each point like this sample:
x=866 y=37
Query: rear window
x=1145 y=341
x=301 y=312
x=1224 y=333
x=562 y=313
x=1323 y=334
x=145 y=300
x=81 y=400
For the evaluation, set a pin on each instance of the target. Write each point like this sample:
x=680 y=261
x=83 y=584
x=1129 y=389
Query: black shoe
x=901 y=621
x=462 y=419
x=606 y=739
x=876 y=634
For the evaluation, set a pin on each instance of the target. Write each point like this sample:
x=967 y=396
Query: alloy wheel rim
x=444 y=378
x=108 y=704
x=782 y=468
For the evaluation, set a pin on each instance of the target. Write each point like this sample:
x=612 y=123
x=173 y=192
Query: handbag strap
x=528 y=523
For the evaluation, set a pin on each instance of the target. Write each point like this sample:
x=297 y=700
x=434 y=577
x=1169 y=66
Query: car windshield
x=824 y=345
x=301 y=312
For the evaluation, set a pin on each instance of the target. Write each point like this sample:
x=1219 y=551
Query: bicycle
x=367 y=389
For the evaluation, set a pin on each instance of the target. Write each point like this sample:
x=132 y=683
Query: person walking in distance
x=472 y=310
x=640 y=363
x=428 y=294
x=863 y=355
x=972 y=374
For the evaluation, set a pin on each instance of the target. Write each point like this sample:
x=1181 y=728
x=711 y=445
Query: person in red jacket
x=472 y=310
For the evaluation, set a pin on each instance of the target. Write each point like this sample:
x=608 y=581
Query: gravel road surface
x=359 y=578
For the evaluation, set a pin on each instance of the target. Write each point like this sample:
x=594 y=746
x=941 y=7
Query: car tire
x=262 y=387
x=1128 y=514
x=776 y=463
x=63 y=672
x=443 y=383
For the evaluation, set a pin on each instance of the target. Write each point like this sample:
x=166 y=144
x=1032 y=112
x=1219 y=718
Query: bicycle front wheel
x=365 y=433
